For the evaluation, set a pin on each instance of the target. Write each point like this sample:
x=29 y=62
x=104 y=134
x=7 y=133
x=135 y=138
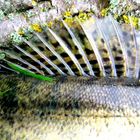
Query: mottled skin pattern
x=69 y=108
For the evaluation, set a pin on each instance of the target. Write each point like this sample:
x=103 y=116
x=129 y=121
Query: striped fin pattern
x=95 y=47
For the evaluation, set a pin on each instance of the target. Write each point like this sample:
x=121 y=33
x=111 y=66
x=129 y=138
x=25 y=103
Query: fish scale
x=70 y=108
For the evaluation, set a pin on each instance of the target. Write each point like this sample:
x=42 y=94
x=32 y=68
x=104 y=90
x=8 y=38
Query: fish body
x=69 y=108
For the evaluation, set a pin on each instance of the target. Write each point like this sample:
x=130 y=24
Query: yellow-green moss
x=36 y=27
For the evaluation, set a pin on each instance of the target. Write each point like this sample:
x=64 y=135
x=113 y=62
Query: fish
x=69 y=76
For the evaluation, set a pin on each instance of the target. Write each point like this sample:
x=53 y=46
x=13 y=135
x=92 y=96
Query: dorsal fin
x=94 y=47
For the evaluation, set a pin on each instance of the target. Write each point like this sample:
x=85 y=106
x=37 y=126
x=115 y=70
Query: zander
x=87 y=71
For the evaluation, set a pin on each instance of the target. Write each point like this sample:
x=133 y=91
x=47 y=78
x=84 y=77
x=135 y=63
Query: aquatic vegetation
x=28 y=73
